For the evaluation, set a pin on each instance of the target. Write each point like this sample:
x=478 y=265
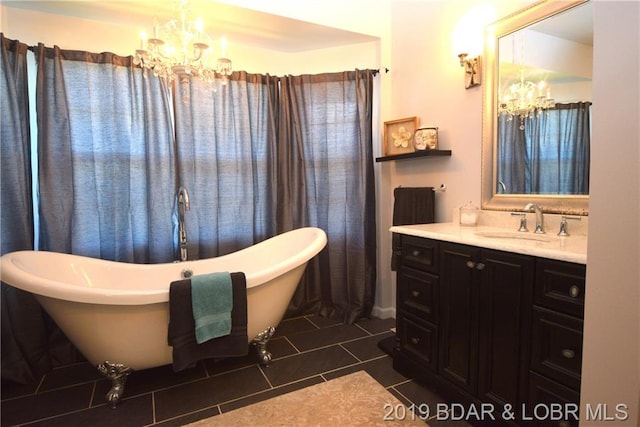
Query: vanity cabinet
x=485 y=300
x=489 y=326
x=556 y=334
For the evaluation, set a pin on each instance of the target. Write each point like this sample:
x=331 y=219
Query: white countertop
x=571 y=248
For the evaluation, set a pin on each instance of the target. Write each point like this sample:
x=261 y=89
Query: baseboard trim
x=384 y=313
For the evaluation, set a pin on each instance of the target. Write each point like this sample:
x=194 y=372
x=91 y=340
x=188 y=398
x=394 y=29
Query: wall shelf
x=415 y=155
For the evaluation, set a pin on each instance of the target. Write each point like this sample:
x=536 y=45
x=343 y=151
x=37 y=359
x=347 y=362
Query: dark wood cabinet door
x=459 y=291
x=506 y=289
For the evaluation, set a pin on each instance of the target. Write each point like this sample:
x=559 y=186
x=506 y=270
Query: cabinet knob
x=568 y=353
x=415 y=294
x=415 y=340
x=574 y=291
x=471 y=264
x=480 y=266
x=415 y=252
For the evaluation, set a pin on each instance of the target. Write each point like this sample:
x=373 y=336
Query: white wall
x=610 y=366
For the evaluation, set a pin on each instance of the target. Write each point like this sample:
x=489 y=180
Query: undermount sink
x=513 y=235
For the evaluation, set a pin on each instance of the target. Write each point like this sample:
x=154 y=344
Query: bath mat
x=352 y=400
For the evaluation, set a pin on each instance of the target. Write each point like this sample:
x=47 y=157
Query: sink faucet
x=182 y=202
x=532 y=207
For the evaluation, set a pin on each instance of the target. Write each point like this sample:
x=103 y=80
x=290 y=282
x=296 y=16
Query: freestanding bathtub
x=117 y=313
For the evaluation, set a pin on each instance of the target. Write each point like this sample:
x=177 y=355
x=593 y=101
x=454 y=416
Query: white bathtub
x=119 y=312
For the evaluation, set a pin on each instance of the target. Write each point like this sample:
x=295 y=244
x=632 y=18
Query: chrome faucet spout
x=183 y=197
x=183 y=205
x=532 y=207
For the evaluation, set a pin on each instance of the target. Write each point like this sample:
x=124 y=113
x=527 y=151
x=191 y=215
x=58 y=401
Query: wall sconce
x=468 y=39
x=472 y=70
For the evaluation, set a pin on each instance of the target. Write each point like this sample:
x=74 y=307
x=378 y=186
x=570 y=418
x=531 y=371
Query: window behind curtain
x=225 y=149
x=106 y=158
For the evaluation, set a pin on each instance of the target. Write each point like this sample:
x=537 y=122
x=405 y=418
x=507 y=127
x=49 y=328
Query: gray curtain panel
x=225 y=154
x=325 y=179
x=106 y=171
x=24 y=339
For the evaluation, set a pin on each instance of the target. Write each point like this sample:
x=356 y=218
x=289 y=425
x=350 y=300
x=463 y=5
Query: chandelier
x=525 y=99
x=180 y=48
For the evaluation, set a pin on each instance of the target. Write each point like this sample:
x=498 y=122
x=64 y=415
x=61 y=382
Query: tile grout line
x=292 y=345
x=40 y=384
x=153 y=407
x=365 y=330
x=93 y=393
x=271 y=389
x=40 y=393
x=265 y=376
x=311 y=321
x=353 y=355
x=331 y=345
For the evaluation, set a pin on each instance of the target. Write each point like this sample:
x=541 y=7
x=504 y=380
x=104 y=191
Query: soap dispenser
x=469 y=215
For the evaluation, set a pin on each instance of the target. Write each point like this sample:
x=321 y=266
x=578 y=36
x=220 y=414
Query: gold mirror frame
x=574 y=204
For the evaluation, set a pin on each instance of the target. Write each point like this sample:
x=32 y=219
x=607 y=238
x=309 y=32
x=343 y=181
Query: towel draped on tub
x=182 y=335
x=212 y=301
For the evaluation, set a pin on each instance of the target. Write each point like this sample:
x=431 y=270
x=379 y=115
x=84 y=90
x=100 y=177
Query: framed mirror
x=537 y=108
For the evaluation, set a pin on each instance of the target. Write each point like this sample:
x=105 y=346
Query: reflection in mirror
x=537 y=112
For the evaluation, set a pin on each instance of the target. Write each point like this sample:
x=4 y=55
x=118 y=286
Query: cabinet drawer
x=560 y=286
x=420 y=253
x=418 y=341
x=418 y=293
x=546 y=392
x=556 y=346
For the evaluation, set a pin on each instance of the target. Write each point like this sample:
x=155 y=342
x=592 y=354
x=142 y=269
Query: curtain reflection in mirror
x=550 y=156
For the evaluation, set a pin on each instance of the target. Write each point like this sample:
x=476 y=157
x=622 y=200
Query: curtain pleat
x=24 y=340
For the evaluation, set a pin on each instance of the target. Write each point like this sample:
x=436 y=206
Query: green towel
x=212 y=301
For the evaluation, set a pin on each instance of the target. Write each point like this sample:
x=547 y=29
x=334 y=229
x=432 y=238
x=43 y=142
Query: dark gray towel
x=181 y=336
x=412 y=205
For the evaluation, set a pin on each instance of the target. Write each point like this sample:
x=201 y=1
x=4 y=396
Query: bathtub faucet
x=182 y=201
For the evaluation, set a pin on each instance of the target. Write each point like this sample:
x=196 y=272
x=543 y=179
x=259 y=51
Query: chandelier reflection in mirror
x=525 y=99
x=180 y=48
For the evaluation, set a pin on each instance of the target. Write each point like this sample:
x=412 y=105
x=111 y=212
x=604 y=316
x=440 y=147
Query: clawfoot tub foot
x=118 y=374
x=260 y=342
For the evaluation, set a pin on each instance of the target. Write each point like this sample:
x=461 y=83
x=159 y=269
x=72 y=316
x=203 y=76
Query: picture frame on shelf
x=398 y=136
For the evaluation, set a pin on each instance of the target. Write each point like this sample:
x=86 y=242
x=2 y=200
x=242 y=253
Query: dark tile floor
x=306 y=350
